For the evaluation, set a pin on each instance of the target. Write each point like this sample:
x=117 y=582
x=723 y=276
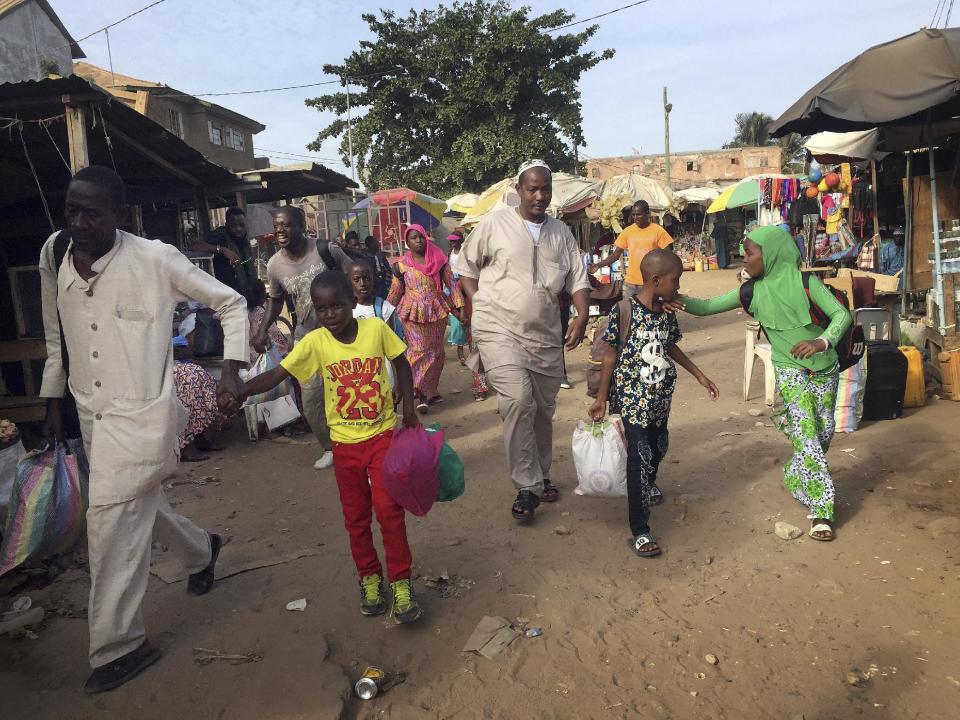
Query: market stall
x=909 y=89
x=388 y=212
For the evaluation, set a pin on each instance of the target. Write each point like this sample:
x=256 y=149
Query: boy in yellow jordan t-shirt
x=352 y=356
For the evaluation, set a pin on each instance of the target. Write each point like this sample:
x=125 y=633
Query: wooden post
x=136 y=219
x=667 y=107
x=202 y=206
x=873 y=183
x=77 y=138
x=241 y=200
x=180 y=239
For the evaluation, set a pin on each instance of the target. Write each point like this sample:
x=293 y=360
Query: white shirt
x=534 y=229
x=118 y=327
x=369 y=311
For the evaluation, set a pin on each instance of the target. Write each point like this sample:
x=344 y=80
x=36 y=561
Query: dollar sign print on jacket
x=655 y=365
x=644 y=377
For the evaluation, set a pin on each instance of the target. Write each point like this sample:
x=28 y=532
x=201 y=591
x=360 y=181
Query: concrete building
x=222 y=136
x=689 y=169
x=33 y=42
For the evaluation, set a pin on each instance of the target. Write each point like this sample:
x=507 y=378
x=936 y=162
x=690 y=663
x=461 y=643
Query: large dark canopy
x=893 y=84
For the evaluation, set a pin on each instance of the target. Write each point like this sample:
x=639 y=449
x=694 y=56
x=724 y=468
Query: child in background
x=351 y=355
x=369 y=305
x=804 y=361
x=361 y=275
x=643 y=383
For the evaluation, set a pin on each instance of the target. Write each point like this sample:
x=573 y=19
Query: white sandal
x=821 y=527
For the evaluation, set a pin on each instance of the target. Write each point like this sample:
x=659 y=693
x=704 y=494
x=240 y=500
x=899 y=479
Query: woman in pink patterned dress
x=419 y=278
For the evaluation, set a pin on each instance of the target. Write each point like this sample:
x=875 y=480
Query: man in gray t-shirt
x=289 y=274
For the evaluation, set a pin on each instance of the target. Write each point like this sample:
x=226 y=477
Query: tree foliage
x=453 y=99
x=753 y=130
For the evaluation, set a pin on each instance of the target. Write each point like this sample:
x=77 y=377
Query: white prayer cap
x=530 y=164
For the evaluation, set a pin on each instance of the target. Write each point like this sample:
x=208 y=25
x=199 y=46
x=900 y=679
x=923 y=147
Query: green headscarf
x=779 y=299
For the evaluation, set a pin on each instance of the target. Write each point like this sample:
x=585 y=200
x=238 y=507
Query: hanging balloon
x=815 y=175
x=832 y=179
x=822 y=187
x=812 y=191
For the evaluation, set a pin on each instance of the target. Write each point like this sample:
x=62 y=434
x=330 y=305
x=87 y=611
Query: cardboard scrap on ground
x=234 y=559
x=491 y=637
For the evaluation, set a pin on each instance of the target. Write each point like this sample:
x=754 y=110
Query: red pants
x=357 y=467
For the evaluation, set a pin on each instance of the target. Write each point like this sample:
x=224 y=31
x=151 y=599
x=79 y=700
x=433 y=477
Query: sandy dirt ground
x=623 y=637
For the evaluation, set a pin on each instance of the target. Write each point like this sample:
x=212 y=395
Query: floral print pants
x=808 y=421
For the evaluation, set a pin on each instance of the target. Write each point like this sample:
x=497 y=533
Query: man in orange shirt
x=638 y=239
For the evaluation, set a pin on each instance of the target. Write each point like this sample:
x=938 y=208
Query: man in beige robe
x=513 y=266
x=113 y=296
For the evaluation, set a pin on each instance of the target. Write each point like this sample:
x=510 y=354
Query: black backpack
x=207 y=336
x=851 y=346
x=323 y=247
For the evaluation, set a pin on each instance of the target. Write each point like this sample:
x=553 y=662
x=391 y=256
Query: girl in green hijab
x=804 y=361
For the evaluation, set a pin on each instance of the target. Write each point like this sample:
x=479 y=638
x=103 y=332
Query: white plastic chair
x=763 y=351
x=877 y=323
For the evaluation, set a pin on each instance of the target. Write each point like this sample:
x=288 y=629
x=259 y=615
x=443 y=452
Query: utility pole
x=667 y=107
x=353 y=170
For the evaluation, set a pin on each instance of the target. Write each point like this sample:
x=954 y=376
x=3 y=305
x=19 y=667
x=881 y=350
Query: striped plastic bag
x=850 y=393
x=47 y=506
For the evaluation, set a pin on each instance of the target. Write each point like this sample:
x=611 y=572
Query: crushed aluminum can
x=533 y=632
x=370 y=684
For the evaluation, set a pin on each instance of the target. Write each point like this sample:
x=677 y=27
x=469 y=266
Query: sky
x=716 y=58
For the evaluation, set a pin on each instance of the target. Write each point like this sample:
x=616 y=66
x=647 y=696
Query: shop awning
x=831 y=147
x=893 y=84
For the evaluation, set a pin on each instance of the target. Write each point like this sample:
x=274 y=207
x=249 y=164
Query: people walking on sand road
x=108 y=299
x=513 y=267
x=804 y=360
x=420 y=277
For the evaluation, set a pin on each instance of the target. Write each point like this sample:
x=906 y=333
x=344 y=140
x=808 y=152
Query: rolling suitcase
x=886 y=381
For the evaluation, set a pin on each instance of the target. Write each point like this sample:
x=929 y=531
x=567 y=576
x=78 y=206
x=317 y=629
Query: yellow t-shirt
x=638 y=242
x=357 y=396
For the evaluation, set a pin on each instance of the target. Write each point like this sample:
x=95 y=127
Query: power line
x=595 y=17
x=299 y=155
x=123 y=19
x=937 y=12
x=264 y=90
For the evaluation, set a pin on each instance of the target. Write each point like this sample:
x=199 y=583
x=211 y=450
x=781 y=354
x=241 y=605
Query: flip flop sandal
x=656 y=496
x=422 y=407
x=551 y=493
x=524 y=506
x=820 y=527
x=639 y=541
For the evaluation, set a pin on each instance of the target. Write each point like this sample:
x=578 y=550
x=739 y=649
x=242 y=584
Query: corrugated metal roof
x=8 y=5
x=135 y=145
x=117 y=83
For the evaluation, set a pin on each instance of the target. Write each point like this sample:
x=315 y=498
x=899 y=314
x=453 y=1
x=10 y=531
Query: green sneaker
x=372 y=601
x=405 y=606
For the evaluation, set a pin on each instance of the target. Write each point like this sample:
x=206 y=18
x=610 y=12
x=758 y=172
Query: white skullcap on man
x=530 y=164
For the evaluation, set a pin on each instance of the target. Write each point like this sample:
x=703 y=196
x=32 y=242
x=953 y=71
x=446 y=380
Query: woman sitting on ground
x=197 y=391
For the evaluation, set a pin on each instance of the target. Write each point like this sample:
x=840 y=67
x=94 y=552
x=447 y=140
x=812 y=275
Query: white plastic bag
x=277 y=413
x=600 y=456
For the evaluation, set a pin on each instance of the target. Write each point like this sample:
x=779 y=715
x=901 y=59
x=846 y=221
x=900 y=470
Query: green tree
x=453 y=99
x=753 y=130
